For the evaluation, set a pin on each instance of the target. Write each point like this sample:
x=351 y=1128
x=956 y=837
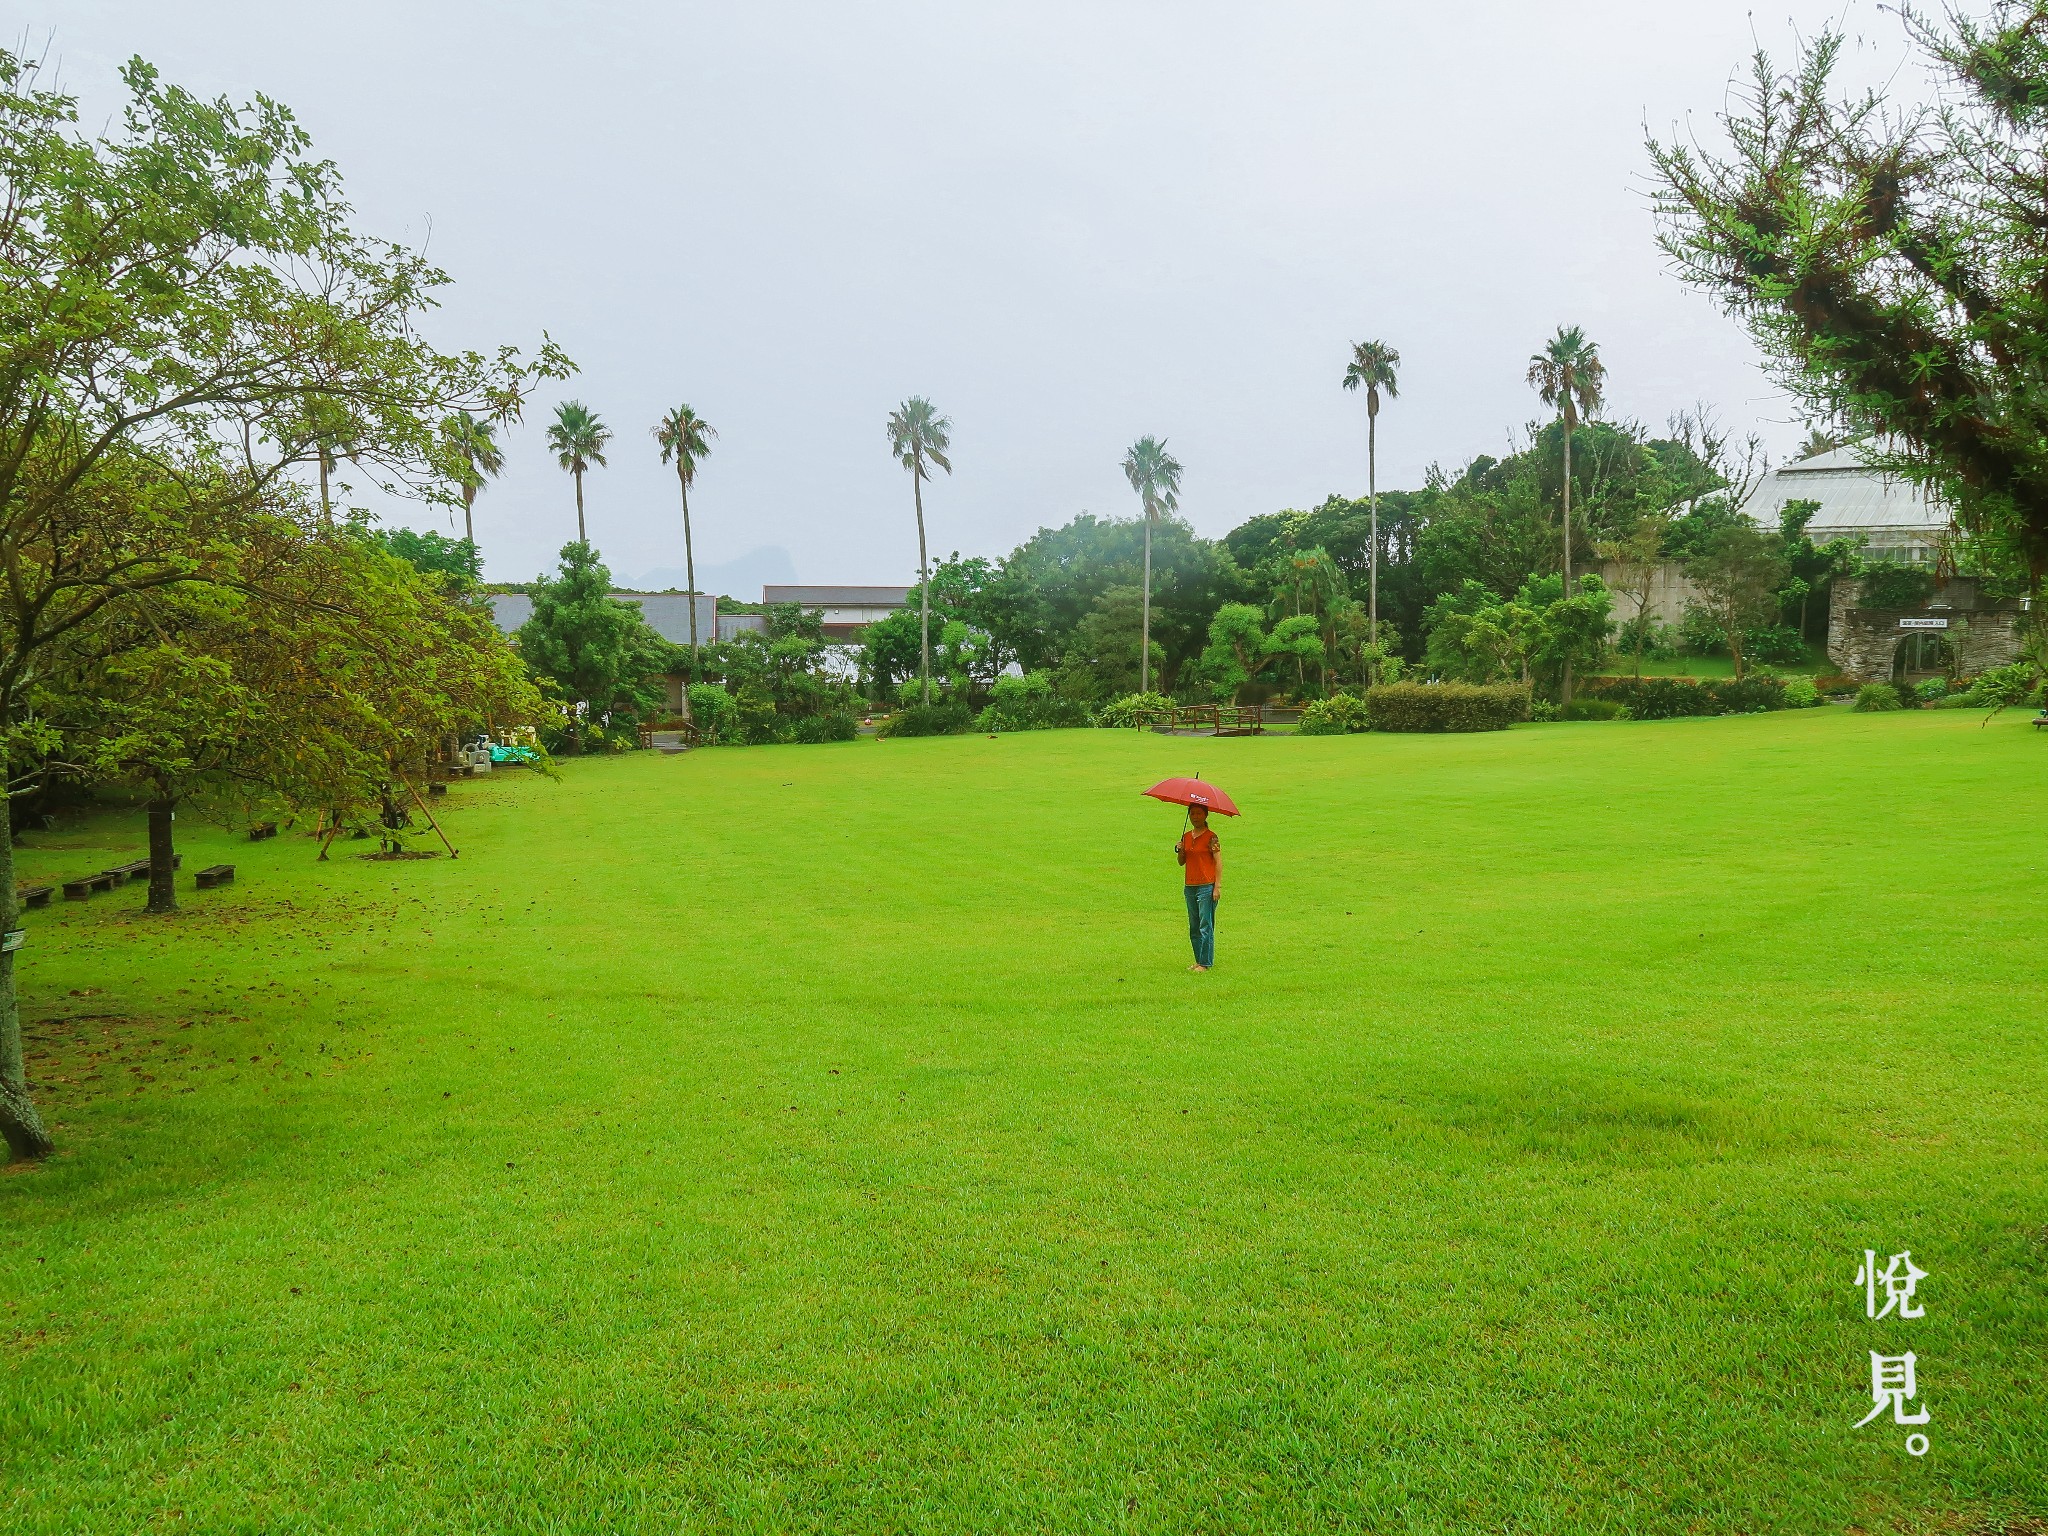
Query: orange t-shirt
x=1201 y=848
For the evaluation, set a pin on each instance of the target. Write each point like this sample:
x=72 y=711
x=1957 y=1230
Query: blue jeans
x=1202 y=922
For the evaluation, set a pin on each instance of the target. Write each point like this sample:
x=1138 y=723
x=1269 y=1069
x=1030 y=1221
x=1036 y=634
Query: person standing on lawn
x=1200 y=852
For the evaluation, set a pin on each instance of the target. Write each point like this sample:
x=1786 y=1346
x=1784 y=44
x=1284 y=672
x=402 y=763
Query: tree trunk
x=468 y=517
x=1564 y=691
x=1372 y=491
x=690 y=576
x=19 y=1122
x=581 y=536
x=163 y=882
x=1145 y=613
x=326 y=507
x=924 y=586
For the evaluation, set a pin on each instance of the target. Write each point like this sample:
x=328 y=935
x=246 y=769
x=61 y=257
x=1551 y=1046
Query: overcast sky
x=1069 y=224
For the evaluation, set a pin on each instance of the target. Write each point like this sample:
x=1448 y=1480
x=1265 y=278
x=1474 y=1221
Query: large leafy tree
x=577 y=438
x=1739 y=571
x=598 y=651
x=685 y=440
x=1374 y=367
x=1155 y=475
x=1893 y=263
x=921 y=439
x=186 y=320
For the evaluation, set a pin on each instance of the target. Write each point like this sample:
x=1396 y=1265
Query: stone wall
x=1671 y=593
x=1980 y=632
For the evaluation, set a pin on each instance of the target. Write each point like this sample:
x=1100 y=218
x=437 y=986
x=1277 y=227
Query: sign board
x=1923 y=623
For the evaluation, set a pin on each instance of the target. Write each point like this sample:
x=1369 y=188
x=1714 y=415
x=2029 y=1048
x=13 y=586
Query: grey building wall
x=667 y=613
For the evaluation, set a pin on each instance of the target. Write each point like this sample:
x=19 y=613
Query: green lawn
x=1623 y=664
x=830 y=1139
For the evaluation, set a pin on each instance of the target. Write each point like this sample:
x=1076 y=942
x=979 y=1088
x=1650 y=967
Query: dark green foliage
x=1877 y=698
x=1891 y=262
x=1888 y=584
x=1447 y=706
x=1595 y=709
x=1774 y=645
x=941 y=719
x=597 y=652
x=1339 y=715
x=835 y=726
x=1028 y=703
x=1673 y=698
x=433 y=553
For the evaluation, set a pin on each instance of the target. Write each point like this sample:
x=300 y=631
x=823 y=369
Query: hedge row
x=1672 y=698
x=1446 y=706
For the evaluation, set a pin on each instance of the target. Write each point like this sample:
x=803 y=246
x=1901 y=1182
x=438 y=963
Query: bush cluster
x=1875 y=698
x=1130 y=710
x=1339 y=715
x=1595 y=709
x=1673 y=698
x=1836 y=682
x=1447 y=706
x=1802 y=693
x=942 y=719
x=1028 y=703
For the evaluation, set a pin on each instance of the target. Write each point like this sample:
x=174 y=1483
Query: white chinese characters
x=1898 y=1278
x=1894 y=1379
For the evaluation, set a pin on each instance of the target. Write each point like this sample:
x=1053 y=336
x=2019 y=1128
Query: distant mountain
x=743 y=578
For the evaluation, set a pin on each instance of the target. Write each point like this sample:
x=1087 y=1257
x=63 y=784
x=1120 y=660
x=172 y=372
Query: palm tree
x=1373 y=364
x=475 y=441
x=1155 y=475
x=920 y=436
x=1569 y=375
x=685 y=437
x=578 y=439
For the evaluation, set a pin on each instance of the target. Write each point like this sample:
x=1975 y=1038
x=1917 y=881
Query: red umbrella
x=1193 y=792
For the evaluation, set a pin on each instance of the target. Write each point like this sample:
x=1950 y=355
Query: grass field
x=830 y=1139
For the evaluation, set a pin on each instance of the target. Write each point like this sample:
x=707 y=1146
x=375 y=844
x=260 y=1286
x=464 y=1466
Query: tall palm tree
x=1155 y=475
x=685 y=437
x=919 y=436
x=1568 y=375
x=578 y=439
x=475 y=441
x=1373 y=365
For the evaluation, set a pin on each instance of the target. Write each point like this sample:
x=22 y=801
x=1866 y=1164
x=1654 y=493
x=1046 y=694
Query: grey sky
x=1067 y=223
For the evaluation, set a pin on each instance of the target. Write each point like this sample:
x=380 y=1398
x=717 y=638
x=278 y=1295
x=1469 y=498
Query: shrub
x=1774 y=645
x=1130 y=710
x=1873 y=698
x=2006 y=687
x=1890 y=585
x=1800 y=693
x=944 y=719
x=711 y=711
x=1596 y=709
x=1750 y=696
x=1836 y=682
x=1339 y=715
x=1447 y=706
x=1931 y=688
x=1028 y=703
x=1542 y=711
x=836 y=726
x=1674 y=698
x=1963 y=700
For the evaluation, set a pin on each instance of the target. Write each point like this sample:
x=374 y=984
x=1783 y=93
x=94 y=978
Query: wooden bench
x=83 y=887
x=215 y=874
x=139 y=870
x=261 y=830
x=436 y=789
x=35 y=895
x=2040 y=721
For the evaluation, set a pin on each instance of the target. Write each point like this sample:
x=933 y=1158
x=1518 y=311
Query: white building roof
x=1856 y=501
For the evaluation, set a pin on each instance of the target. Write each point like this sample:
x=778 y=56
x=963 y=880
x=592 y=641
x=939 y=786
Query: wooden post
x=416 y=800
